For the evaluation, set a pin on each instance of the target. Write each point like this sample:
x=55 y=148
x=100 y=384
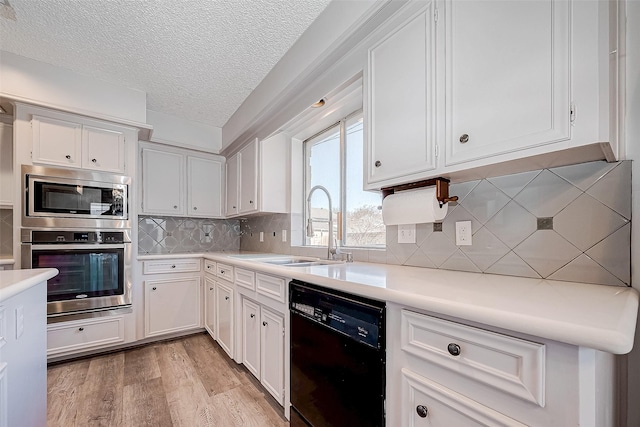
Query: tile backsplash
x=568 y=223
x=6 y=232
x=165 y=235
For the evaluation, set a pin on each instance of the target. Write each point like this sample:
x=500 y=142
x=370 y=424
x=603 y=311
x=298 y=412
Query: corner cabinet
x=469 y=89
x=401 y=94
x=258 y=177
x=179 y=182
x=63 y=141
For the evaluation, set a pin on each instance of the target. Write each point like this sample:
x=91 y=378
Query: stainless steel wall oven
x=94 y=265
x=59 y=198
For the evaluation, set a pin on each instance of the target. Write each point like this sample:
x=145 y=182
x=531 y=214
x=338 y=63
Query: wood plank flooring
x=184 y=382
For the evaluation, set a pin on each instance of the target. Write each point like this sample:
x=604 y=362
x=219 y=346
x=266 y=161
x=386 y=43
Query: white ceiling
x=195 y=59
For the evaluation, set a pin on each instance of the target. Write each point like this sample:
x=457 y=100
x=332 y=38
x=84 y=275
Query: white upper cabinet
x=102 y=149
x=75 y=144
x=233 y=184
x=507 y=76
x=204 y=186
x=178 y=182
x=258 y=177
x=6 y=165
x=163 y=182
x=248 y=195
x=401 y=95
x=469 y=89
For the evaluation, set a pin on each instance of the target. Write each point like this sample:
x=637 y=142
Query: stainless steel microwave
x=56 y=198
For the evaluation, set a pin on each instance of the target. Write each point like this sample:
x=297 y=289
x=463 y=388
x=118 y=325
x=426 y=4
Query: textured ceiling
x=196 y=59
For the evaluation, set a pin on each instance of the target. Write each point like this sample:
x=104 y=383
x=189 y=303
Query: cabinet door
x=507 y=76
x=56 y=142
x=209 y=305
x=172 y=305
x=251 y=336
x=233 y=184
x=401 y=101
x=224 y=318
x=162 y=182
x=249 y=178
x=204 y=187
x=102 y=149
x=6 y=165
x=272 y=354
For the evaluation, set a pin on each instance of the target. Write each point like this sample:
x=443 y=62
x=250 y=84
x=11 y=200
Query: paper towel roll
x=413 y=207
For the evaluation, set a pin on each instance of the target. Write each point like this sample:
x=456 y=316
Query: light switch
x=262 y=236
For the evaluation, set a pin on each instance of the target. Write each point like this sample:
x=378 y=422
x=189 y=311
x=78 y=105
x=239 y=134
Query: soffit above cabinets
x=196 y=60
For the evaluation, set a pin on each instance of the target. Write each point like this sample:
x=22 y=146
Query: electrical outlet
x=262 y=236
x=284 y=235
x=406 y=233
x=463 y=233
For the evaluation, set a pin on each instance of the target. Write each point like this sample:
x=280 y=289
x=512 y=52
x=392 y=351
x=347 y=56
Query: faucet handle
x=349 y=256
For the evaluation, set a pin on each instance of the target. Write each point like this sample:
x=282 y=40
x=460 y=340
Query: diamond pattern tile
x=511 y=185
x=547 y=195
x=584 y=269
x=438 y=247
x=157 y=235
x=512 y=265
x=485 y=250
x=460 y=262
x=614 y=189
x=462 y=189
x=612 y=254
x=584 y=175
x=586 y=221
x=512 y=224
x=546 y=251
x=484 y=201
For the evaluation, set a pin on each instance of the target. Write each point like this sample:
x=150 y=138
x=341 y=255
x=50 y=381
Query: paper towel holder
x=442 y=189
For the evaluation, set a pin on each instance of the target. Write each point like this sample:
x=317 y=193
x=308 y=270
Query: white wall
x=43 y=84
x=184 y=133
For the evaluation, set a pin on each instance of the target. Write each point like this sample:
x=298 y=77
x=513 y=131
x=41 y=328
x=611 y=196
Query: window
x=334 y=160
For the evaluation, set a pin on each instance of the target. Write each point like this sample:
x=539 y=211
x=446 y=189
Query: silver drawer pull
x=464 y=138
x=154 y=288
x=253 y=315
x=264 y=323
x=454 y=349
x=173 y=266
x=68 y=157
x=81 y=329
x=227 y=298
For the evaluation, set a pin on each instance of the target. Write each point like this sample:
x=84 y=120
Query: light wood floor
x=184 y=382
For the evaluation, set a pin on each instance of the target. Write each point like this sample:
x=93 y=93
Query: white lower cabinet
x=224 y=317
x=86 y=334
x=251 y=336
x=210 y=305
x=272 y=353
x=263 y=346
x=171 y=305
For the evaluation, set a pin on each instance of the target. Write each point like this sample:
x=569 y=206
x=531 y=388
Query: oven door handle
x=55 y=246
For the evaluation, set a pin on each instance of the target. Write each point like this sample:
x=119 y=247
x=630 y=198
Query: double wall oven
x=78 y=222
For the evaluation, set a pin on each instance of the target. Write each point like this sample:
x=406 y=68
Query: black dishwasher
x=337 y=358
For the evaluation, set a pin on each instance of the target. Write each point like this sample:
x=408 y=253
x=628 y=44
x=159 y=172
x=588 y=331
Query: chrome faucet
x=331 y=251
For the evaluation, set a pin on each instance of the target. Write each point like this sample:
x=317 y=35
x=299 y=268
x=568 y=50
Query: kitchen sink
x=300 y=262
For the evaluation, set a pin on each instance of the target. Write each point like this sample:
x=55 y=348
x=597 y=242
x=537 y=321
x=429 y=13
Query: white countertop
x=12 y=282
x=595 y=316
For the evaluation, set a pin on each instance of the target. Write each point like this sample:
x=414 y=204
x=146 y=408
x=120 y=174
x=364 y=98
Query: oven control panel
x=75 y=237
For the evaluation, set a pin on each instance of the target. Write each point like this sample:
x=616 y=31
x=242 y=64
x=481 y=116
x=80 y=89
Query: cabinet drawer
x=272 y=287
x=84 y=334
x=171 y=266
x=246 y=278
x=512 y=365
x=210 y=266
x=225 y=272
x=426 y=403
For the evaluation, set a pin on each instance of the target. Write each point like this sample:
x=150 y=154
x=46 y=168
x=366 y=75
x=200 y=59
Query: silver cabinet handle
x=251 y=201
x=264 y=323
x=464 y=138
x=94 y=160
x=175 y=206
x=253 y=315
x=154 y=288
x=68 y=157
x=378 y=163
x=210 y=289
x=173 y=266
x=226 y=298
x=454 y=349
x=195 y=208
x=81 y=329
